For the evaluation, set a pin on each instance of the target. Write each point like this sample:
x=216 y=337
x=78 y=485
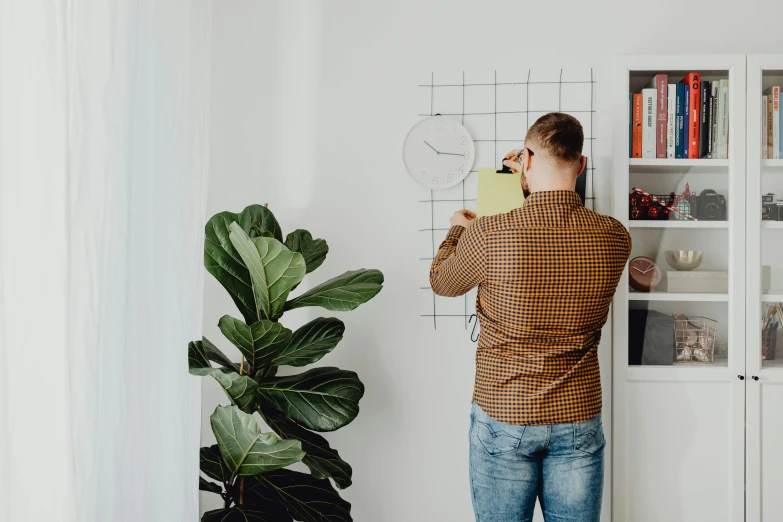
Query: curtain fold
x=104 y=157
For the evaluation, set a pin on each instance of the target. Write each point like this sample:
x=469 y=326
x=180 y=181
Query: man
x=546 y=274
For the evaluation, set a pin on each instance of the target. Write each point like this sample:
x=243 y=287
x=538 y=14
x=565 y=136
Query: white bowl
x=684 y=259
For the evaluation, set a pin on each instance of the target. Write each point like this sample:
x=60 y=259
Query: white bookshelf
x=648 y=417
x=764 y=247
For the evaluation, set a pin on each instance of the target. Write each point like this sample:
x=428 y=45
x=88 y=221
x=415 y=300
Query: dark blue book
x=679 y=119
x=686 y=95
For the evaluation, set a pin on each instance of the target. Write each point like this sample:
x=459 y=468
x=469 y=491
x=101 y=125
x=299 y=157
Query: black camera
x=769 y=208
x=711 y=206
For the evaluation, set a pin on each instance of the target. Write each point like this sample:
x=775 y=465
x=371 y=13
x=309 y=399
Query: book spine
x=723 y=124
x=715 y=95
x=764 y=123
x=708 y=129
x=661 y=82
x=769 y=127
x=649 y=143
x=630 y=125
x=679 y=124
x=694 y=116
x=671 y=102
x=703 y=134
x=637 y=126
x=686 y=111
x=776 y=122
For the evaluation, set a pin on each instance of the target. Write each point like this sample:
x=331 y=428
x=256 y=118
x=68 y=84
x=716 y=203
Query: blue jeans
x=510 y=466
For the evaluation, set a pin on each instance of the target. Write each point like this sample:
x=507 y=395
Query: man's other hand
x=512 y=160
x=463 y=218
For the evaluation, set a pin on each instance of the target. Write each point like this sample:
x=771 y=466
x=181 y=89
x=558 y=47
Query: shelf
x=772 y=298
x=666 y=296
x=775 y=364
x=717 y=371
x=772 y=163
x=772 y=224
x=665 y=164
x=680 y=224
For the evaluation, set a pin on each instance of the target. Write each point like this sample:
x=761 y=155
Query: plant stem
x=241 y=479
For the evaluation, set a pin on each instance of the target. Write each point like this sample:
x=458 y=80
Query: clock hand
x=433 y=148
x=451 y=154
x=637 y=269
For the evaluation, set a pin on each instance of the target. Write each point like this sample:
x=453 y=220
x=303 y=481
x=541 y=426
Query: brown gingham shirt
x=546 y=274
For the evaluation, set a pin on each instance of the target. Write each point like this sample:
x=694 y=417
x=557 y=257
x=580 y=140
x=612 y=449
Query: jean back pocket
x=496 y=437
x=589 y=436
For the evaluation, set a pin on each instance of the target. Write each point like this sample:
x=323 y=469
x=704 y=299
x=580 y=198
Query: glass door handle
x=741 y=377
x=755 y=377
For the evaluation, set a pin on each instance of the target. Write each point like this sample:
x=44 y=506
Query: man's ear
x=582 y=165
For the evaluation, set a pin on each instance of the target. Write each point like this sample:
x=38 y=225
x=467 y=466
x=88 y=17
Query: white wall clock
x=438 y=152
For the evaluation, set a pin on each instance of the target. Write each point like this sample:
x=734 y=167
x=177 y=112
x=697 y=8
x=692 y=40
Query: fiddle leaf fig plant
x=247 y=255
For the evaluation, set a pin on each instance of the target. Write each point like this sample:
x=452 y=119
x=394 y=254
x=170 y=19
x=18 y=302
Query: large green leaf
x=223 y=261
x=323 y=461
x=212 y=464
x=342 y=293
x=311 y=342
x=260 y=342
x=243 y=514
x=241 y=389
x=321 y=399
x=210 y=487
x=313 y=250
x=201 y=352
x=247 y=451
x=274 y=270
x=215 y=355
x=307 y=498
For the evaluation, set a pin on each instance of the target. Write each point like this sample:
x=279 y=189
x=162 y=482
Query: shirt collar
x=553 y=197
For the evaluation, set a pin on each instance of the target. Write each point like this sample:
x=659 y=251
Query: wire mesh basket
x=694 y=339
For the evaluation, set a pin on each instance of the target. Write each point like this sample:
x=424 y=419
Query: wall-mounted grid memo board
x=497 y=108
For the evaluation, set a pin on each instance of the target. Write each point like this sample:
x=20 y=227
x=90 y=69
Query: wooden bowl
x=684 y=259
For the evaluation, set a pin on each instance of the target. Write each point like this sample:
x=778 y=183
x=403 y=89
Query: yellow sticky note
x=498 y=193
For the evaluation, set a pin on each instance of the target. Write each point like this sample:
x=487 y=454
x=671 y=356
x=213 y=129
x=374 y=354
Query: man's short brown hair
x=558 y=134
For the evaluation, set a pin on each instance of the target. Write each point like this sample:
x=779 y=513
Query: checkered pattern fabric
x=546 y=275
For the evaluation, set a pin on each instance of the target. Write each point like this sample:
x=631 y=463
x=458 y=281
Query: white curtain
x=104 y=134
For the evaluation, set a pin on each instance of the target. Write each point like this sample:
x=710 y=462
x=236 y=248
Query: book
x=649 y=123
x=708 y=130
x=671 y=102
x=630 y=125
x=704 y=135
x=769 y=126
x=764 y=123
x=659 y=83
x=715 y=91
x=679 y=123
x=686 y=111
x=637 y=126
x=722 y=140
x=774 y=141
x=693 y=81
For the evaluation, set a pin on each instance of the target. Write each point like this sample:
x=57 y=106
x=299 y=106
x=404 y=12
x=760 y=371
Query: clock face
x=643 y=274
x=438 y=152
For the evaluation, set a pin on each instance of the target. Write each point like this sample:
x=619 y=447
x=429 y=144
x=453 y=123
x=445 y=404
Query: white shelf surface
x=676 y=163
x=680 y=224
x=772 y=163
x=674 y=296
x=772 y=224
x=774 y=297
x=717 y=371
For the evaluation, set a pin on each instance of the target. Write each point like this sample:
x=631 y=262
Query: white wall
x=310 y=104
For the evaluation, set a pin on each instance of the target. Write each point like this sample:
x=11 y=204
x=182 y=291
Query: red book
x=637 y=126
x=660 y=84
x=693 y=82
